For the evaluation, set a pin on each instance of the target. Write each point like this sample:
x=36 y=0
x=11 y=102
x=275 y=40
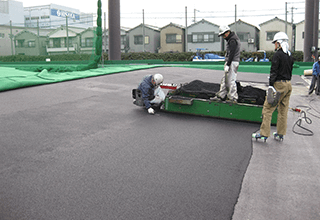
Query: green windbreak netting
x=12 y=78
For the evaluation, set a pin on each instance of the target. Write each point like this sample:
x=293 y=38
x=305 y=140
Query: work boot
x=234 y=101
x=278 y=137
x=259 y=136
x=216 y=99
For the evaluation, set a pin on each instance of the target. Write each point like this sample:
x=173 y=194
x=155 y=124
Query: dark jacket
x=233 y=48
x=147 y=89
x=281 y=67
x=316 y=68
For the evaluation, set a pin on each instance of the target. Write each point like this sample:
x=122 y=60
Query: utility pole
x=143 y=31
x=114 y=30
x=67 y=34
x=104 y=37
x=38 y=41
x=316 y=28
x=286 y=13
x=293 y=30
x=235 y=17
x=186 y=32
x=308 y=31
x=194 y=15
x=11 y=37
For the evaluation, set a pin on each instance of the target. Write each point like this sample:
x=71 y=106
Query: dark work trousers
x=315 y=81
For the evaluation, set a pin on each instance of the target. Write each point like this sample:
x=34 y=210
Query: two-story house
x=172 y=38
x=29 y=43
x=269 y=28
x=248 y=35
x=144 y=38
x=64 y=40
x=203 y=34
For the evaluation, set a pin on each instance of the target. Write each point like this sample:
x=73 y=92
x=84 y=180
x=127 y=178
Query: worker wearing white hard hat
x=223 y=29
x=228 y=86
x=152 y=94
x=279 y=81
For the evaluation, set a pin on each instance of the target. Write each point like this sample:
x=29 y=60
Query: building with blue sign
x=53 y=16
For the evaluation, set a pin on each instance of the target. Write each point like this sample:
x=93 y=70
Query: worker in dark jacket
x=280 y=81
x=152 y=93
x=315 y=78
x=228 y=86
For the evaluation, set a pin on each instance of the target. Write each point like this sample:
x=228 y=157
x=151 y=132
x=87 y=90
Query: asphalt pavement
x=81 y=150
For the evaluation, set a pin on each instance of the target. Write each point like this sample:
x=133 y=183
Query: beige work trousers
x=285 y=88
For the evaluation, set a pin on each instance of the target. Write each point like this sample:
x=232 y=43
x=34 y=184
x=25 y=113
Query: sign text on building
x=61 y=13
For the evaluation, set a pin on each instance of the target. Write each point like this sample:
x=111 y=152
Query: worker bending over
x=152 y=94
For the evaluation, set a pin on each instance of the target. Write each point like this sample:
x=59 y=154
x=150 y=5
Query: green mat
x=17 y=75
x=11 y=78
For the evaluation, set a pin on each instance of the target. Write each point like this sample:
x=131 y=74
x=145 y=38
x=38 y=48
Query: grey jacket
x=233 y=48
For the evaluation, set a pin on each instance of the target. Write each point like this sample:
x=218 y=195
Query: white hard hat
x=158 y=78
x=280 y=36
x=223 y=29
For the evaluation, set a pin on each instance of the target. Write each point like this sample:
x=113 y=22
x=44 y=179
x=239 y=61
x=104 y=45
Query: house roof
x=202 y=21
x=241 y=21
x=274 y=19
x=31 y=32
x=174 y=25
x=61 y=32
x=154 y=28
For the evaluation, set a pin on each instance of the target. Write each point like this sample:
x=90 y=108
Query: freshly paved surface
x=82 y=150
x=283 y=178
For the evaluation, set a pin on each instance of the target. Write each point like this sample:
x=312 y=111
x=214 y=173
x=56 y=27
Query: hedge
x=172 y=57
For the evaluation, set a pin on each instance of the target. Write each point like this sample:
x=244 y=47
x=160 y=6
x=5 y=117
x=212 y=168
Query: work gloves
x=226 y=68
x=150 y=111
x=273 y=96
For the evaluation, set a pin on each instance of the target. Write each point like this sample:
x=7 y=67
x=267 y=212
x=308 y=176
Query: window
x=243 y=36
x=138 y=39
x=20 y=43
x=194 y=38
x=203 y=38
x=2 y=35
x=146 y=40
x=56 y=42
x=270 y=35
x=89 y=42
x=32 y=43
x=123 y=40
x=178 y=38
x=70 y=40
x=173 y=38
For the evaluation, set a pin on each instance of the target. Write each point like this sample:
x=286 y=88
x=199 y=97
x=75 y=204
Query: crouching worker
x=151 y=93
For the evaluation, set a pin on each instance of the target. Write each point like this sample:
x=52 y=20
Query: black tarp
x=206 y=90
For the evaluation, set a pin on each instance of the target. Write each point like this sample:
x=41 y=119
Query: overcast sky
x=162 y=12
